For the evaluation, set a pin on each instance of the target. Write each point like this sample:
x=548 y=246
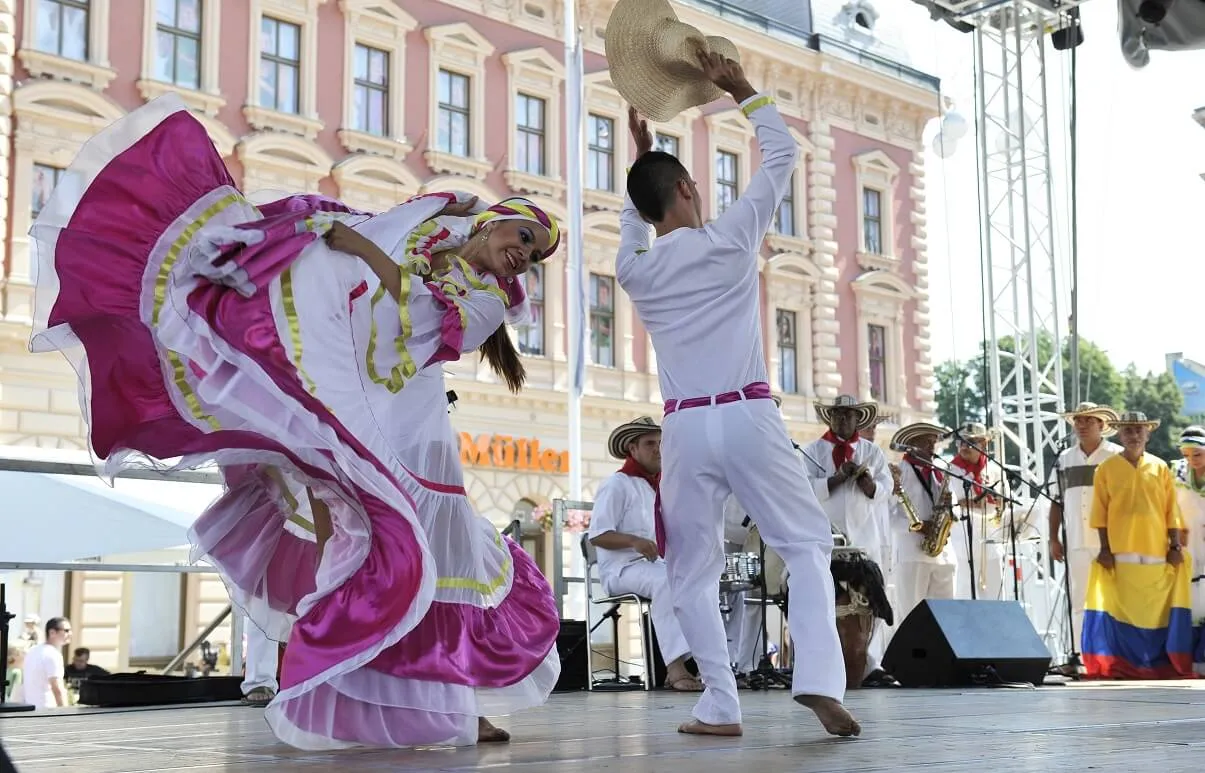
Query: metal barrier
x=560 y=583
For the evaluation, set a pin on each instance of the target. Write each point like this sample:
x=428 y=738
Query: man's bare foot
x=487 y=733
x=836 y=718
x=695 y=727
x=684 y=682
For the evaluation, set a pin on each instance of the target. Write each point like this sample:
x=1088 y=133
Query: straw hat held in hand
x=654 y=59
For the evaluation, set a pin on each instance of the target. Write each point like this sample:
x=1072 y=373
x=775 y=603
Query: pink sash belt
x=758 y=390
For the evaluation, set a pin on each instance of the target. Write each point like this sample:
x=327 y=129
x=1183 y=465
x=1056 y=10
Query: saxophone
x=916 y=523
x=942 y=521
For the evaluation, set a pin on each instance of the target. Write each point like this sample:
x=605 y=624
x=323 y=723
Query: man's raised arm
x=633 y=230
x=748 y=219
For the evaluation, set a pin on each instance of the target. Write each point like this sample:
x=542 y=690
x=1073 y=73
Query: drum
x=861 y=595
x=741 y=569
x=775 y=568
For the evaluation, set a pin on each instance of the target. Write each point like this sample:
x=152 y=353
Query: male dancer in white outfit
x=854 y=494
x=1076 y=468
x=623 y=530
x=697 y=293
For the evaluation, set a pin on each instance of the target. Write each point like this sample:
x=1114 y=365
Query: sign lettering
x=510 y=453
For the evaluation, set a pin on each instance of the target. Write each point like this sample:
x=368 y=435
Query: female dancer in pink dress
x=205 y=329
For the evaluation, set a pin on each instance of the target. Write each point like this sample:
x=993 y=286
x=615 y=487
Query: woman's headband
x=521 y=209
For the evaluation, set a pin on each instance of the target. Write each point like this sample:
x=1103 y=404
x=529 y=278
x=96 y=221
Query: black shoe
x=879 y=679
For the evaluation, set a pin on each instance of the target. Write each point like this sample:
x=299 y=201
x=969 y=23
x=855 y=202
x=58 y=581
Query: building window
x=178 y=42
x=668 y=143
x=872 y=220
x=454 y=113
x=531 y=339
x=788 y=361
x=725 y=180
x=602 y=320
x=877 y=343
x=600 y=164
x=529 y=134
x=279 y=65
x=371 y=99
x=62 y=27
x=44 y=180
x=784 y=221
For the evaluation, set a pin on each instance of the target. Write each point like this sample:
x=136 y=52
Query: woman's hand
x=459 y=208
x=343 y=238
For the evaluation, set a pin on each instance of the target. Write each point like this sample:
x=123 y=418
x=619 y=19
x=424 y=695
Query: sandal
x=259 y=697
x=693 y=684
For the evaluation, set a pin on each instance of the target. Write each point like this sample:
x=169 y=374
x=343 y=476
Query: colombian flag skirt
x=1138 y=622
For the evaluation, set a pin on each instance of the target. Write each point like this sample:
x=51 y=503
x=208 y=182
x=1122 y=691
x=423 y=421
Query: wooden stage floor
x=1135 y=727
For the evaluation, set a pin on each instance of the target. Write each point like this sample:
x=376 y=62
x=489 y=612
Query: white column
x=623 y=331
x=822 y=227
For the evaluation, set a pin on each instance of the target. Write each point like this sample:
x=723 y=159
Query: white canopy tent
x=53 y=518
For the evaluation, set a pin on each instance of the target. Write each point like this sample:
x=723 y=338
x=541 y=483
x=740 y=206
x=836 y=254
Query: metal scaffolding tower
x=1019 y=268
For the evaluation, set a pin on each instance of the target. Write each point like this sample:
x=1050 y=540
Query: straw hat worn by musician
x=853 y=483
x=919 y=576
x=625 y=532
x=1076 y=470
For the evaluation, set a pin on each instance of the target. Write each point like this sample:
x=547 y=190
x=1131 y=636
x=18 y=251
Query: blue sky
x=1141 y=197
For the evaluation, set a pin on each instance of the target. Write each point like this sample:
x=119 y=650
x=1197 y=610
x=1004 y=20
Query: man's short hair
x=652 y=183
x=54 y=623
x=82 y=652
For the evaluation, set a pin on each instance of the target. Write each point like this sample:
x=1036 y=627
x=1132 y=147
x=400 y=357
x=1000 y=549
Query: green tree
x=959 y=400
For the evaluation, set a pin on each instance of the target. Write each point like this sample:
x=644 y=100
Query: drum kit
x=860 y=597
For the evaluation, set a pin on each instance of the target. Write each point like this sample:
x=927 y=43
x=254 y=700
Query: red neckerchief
x=843 y=450
x=924 y=469
x=975 y=469
x=634 y=468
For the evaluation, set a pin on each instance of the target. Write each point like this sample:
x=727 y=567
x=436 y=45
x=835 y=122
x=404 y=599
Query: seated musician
x=853 y=483
x=630 y=544
x=918 y=575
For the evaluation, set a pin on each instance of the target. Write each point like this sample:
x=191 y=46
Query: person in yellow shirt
x=1137 y=619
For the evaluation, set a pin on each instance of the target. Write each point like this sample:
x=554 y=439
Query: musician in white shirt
x=697 y=292
x=624 y=532
x=918 y=575
x=853 y=483
x=1076 y=469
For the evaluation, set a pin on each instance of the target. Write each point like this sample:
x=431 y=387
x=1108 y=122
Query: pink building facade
x=371 y=102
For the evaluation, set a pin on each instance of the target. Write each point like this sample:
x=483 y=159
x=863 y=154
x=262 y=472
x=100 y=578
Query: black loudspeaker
x=571 y=644
x=6 y=765
x=959 y=643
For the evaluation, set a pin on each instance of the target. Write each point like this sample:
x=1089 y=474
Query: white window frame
x=791 y=282
x=881 y=298
x=207 y=99
x=382 y=26
x=536 y=73
x=458 y=48
x=97 y=72
x=801 y=240
x=304 y=14
x=729 y=131
x=603 y=100
x=875 y=170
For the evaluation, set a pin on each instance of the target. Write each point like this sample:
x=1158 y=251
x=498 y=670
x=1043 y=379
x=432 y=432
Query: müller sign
x=511 y=453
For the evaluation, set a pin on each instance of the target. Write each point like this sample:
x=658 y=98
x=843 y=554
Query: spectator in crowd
x=43 y=672
x=80 y=669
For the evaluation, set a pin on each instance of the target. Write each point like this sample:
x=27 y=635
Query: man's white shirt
x=622 y=504
x=1077 y=468
x=697 y=289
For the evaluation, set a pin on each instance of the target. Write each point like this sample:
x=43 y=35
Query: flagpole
x=574 y=143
